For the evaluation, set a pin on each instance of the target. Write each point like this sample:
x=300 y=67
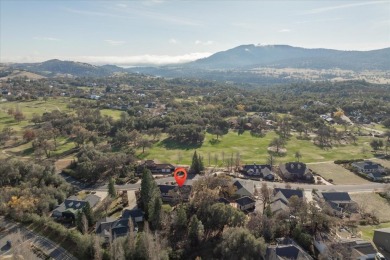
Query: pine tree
x=111 y=188
x=195 y=163
x=155 y=206
x=195 y=231
x=88 y=213
x=181 y=221
x=149 y=189
x=200 y=163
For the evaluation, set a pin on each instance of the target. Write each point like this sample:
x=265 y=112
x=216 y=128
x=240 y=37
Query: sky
x=160 y=32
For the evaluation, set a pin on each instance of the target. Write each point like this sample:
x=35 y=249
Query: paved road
x=308 y=187
x=47 y=246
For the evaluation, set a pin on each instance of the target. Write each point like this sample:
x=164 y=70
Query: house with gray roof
x=338 y=201
x=382 y=239
x=375 y=176
x=111 y=228
x=258 y=171
x=244 y=188
x=244 y=203
x=168 y=192
x=286 y=249
x=136 y=214
x=294 y=171
x=368 y=167
x=281 y=197
x=72 y=205
x=155 y=168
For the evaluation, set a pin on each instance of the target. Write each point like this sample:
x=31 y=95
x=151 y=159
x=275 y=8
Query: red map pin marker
x=180 y=179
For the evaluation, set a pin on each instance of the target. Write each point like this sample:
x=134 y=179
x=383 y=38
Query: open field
x=29 y=108
x=115 y=114
x=252 y=149
x=368 y=231
x=26 y=150
x=37 y=106
x=18 y=73
x=337 y=173
x=379 y=127
x=372 y=202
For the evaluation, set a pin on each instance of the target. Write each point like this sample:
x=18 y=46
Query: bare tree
x=117 y=251
x=265 y=195
x=97 y=252
x=84 y=224
x=20 y=247
x=298 y=155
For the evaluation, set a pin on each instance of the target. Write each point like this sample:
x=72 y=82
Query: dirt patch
x=337 y=173
x=373 y=203
x=62 y=164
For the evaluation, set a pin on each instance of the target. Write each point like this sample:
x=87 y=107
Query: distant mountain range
x=235 y=64
x=285 y=56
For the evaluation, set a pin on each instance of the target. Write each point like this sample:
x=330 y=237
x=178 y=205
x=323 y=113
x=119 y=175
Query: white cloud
x=284 y=31
x=46 y=39
x=198 y=42
x=147 y=59
x=115 y=43
x=336 y=7
x=121 y=5
x=153 y=2
x=173 y=41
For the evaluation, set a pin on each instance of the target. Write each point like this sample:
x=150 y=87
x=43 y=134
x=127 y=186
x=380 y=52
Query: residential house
x=382 y=239
x=136 y=214
x=338 y=201
x=72 y=205
x=170 y=193
x=360 y=249
x=94 y=97
x=244 y=203
x=280 y=199
x=258 y=171
x=156 y=168
x=375 y=176
x=111 y=228
x=368 y=167
x=244 y=188
x=223 y=200
x=286 y=249
x=294 y=171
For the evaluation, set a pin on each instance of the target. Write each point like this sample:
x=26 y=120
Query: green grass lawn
x=63 y=145
x=253 y=149
x=29 y=108
x=37 y=106
x=368 y=231
x=115 y=114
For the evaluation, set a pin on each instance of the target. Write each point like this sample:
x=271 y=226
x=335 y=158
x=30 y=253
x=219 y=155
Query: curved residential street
x=49 y=247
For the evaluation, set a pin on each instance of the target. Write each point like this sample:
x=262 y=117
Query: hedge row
x=347 y=161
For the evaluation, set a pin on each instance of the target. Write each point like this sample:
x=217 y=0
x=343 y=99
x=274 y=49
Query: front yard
x=337 y=173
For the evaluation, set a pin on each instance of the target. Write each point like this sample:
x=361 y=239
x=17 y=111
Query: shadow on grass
x=171 y=144
x=143 y=155
x=27 y=152
x=214 y=141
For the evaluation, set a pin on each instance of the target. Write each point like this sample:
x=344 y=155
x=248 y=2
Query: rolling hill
x=285 y=56
x=268 y=64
